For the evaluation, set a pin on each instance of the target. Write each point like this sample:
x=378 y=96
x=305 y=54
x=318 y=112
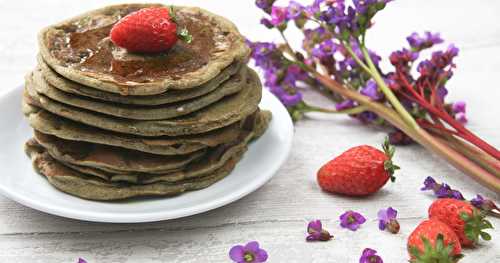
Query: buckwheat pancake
x=94 y=188
x=52 y=124
x=220 y=114
x=170 y=96
x=114 y=158
x=159 y=112
x=80 y=49
x=213 y=159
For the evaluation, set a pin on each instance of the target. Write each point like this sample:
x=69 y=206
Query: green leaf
x=485 y=236
x=185 y=36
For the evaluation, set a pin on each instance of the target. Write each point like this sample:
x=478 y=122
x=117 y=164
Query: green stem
x=356 y=58
x=387 y=91
x=355 y=110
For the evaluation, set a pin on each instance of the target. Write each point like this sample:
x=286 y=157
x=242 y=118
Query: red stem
x=462 y=131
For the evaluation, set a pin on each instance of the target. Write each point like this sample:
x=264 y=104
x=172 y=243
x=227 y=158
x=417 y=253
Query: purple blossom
x=295 y=10
x=344 y=105
x=370 y=256
x=420 y=42
x=458 y=106
x=367 y=117
x=351 y=220
x=371 y=90
x=398 y=137
x=441 y=92
x=325 y=49
x=441 y=190
x=387 y=220
x=278 y=15
x=81 y=260
x=485 y=204
x=313 y=9
x=265 y=4
x=403 y=57
x=461 y=117
x=316 y=232
x=250 y=253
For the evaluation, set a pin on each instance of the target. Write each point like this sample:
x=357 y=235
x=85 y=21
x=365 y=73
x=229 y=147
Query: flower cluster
x=334 y=43
x=442 y=190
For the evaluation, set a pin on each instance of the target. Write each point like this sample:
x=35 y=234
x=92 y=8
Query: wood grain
x=276 y=214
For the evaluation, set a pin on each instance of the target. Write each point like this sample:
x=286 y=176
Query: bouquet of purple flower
x=335 y=61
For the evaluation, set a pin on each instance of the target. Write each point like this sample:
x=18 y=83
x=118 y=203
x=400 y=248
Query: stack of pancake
x=111 y=125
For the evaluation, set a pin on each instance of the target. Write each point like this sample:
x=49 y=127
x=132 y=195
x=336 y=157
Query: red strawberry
x=148 y=30
x=434 y=241
x=359 y=171
x=467 y=221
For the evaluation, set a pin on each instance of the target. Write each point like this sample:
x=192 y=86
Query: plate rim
x=160 y=215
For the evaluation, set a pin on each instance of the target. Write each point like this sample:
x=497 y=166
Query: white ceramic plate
x=19 y=182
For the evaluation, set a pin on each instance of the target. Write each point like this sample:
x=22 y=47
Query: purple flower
x=370 y=256
x=313 y=9
x=485 y=204
x=441 y=190
x=325 y=49
x=250 y=253
x=81 y=260
x=387 y=220
x=371 y=90
x=403 y=57
x=344 y=105
x=295 y=10
x=398 y=137
x=278 y=15
x=458 y=106
x=418 y=42
x=316 y=232
x=429 y=184
x=351 y=220
x=461 y=117
x=441 y=93
x=265 y=4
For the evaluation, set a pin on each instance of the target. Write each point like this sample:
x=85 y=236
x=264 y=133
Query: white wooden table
x=276 y=214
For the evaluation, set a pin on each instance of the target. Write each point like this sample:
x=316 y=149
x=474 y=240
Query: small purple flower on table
x=370 y=256
x=387 y=220
x=316 y=232
x=352 y=220
x=441 y=190
x=249 y=253
x=485 y=204
x=81 y=260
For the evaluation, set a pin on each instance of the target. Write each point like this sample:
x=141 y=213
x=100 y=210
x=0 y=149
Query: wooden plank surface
x=276 y=214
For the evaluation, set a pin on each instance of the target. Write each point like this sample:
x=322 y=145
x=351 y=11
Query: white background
x=276 y=214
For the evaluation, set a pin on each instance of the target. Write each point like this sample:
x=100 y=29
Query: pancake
x=213 y=159
x=171 y=96
x=159 y=112
x=93 y=188
x=114 y=158
x=80 y=49
x=52 y=124
x=220 y=114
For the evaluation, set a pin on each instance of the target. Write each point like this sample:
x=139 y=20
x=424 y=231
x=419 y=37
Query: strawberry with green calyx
x=439 y=253
x=149 y=30
x=434 y=241
x=359 y=171
x=466 y=220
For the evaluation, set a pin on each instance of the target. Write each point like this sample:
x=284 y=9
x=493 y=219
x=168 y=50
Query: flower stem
x=387 y=91
x=355 y=110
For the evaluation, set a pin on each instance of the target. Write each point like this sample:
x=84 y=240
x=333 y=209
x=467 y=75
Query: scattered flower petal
x=370 y=256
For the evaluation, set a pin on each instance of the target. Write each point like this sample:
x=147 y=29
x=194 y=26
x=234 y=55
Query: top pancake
x=80 y=49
